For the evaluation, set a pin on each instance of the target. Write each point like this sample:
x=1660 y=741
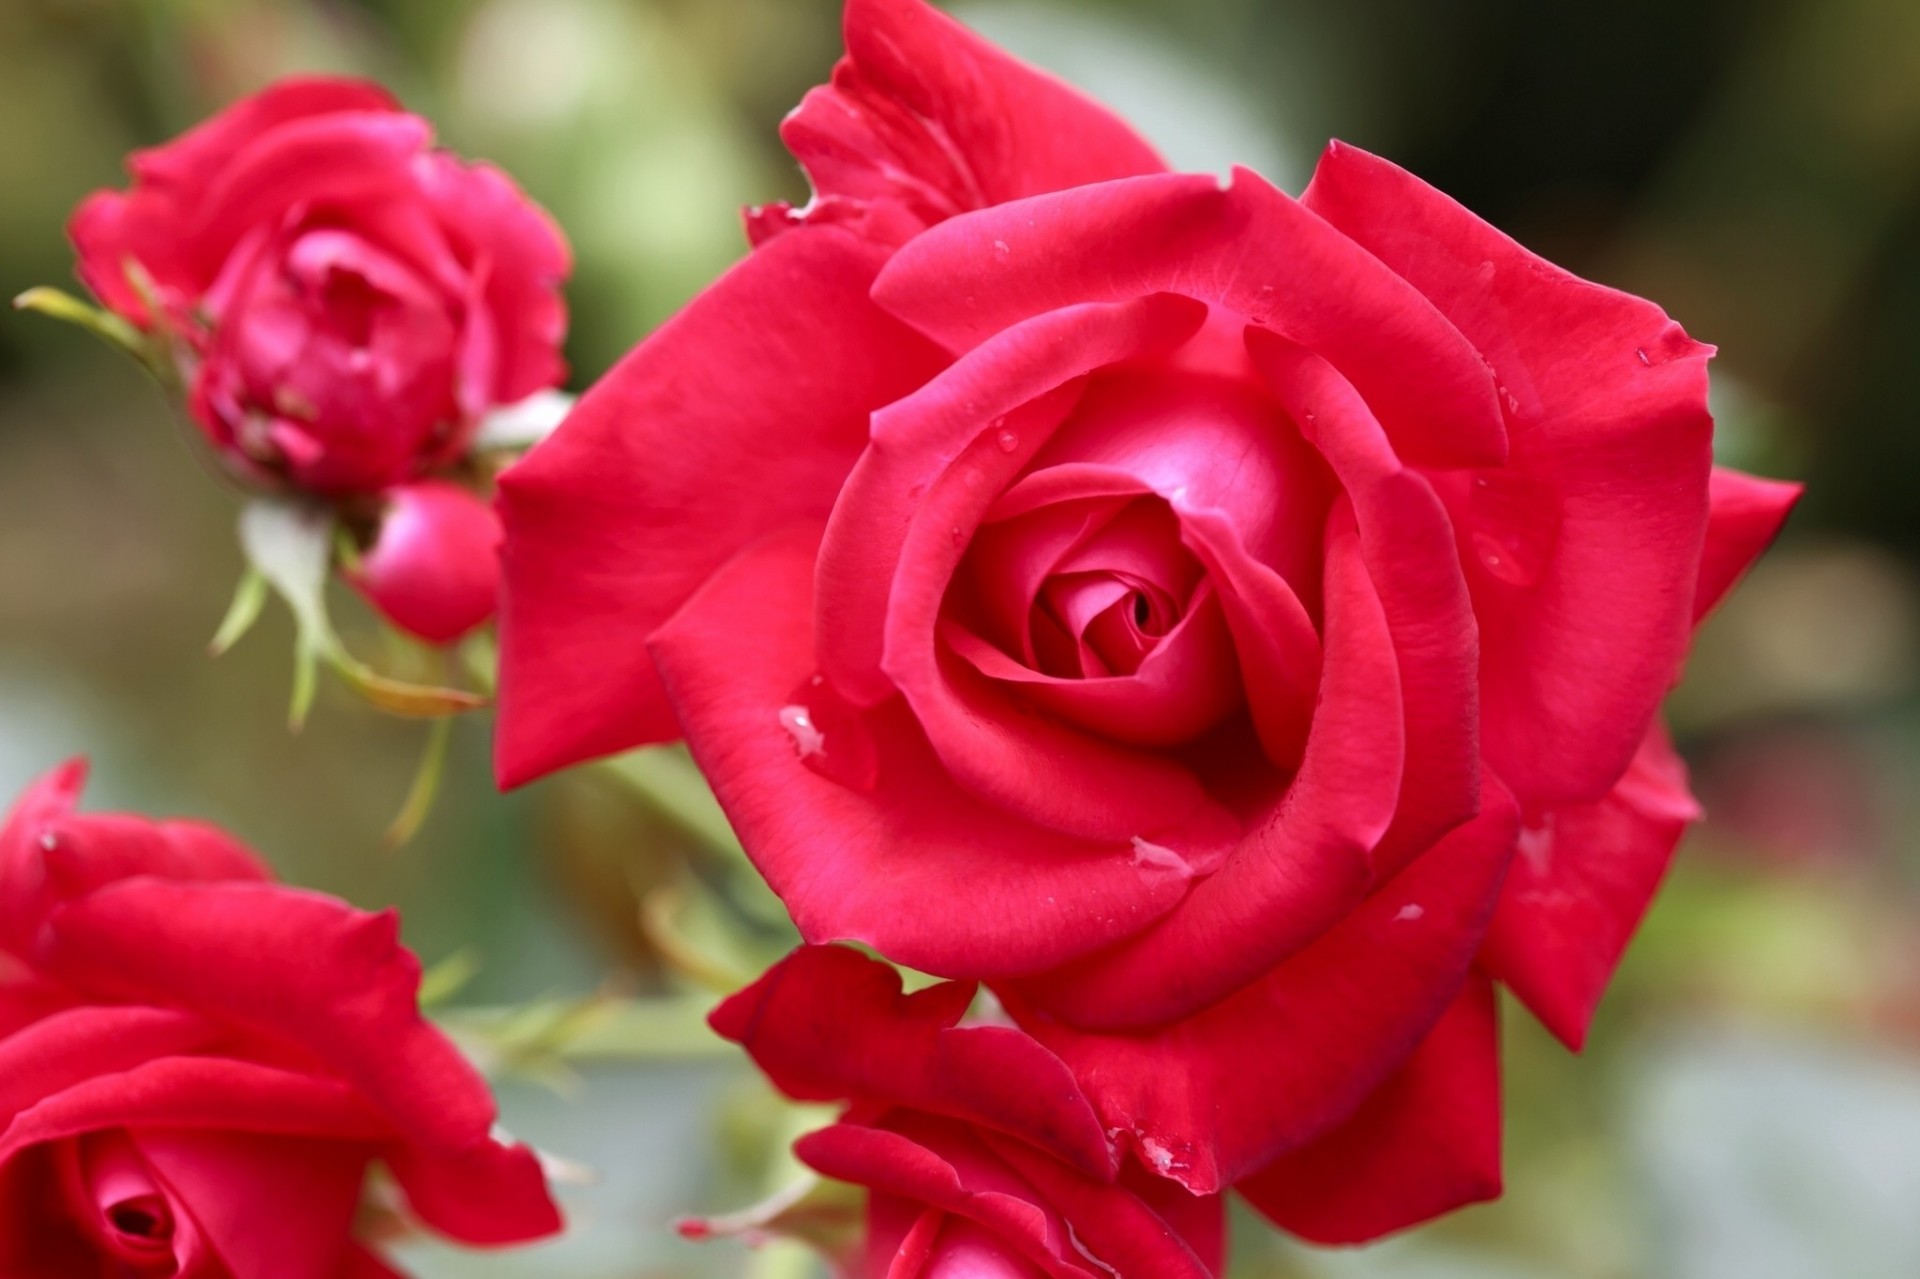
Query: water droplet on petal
x=798 y=722
x=1410 y=913
x=1262 y=305
x=1536 y=843
x=1645 y=359
x=959 y=538
x=1007 y=440
x=1001 y=249
x=1151 y=856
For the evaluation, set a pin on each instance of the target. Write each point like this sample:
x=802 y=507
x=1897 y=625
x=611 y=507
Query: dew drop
x=807 y=740
x=1151 y=856
x=1645 y=359
x=959 y=538
x=1262 y=302
x=49 y=841
x=1410 y=913
x=1536 y=843
x=1007 y=440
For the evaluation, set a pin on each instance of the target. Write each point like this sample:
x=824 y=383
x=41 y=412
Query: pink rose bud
x=345 y=301
x=434 y=567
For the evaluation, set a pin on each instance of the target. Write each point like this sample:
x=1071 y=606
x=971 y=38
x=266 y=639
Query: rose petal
x=1300 y=868
x=1425 y=1143
x=1585 y=876
x=827 y=1023
x=1584 y=549
x=112 y=226
x=1406 y=541
x=1217 y=1096
x=943 y=1164
x=1248 y=248
x=271 y=1207
x=199 y=1092
x=924 y=118
x=489 y=1192
x=1112 y=1226
x=304 y=969
x=69 y=1048
x=1744 y=515
x=911 y=836
x=743 y=413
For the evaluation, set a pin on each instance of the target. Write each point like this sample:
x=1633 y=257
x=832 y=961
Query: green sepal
x=103 y=324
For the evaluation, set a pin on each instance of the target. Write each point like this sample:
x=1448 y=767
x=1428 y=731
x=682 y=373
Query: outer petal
x=22 y=874
x=199 y=1092
x=945 y=1165
x=827 y=1023
x=520 y=256
x=112 y=226
x=434 y=567
x=925 y=119
x=1585 y=876
x=488 y=1192
x=1249 y=249
x=69 y=1048
x=743 y=413
x=48 y=853
x=1744 y=515
x=906 y=842
x=1585 y=548
x=1215 y=1097
x=1427 y=1142
x=303 y=969
x=1123 y=1233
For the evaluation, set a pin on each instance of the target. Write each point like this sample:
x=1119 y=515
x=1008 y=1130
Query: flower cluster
x=1230 y=627
x=1219 y=636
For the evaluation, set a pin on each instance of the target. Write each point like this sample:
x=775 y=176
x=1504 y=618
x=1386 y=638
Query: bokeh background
x=1751 y=1103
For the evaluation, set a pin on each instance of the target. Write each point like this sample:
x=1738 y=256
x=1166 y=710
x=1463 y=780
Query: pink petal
x=925 y=119
x=1744 y=515
x=1249 y=249
x=827 y=1023
x=1585 y=876
x=741 y=415
x=271 y=1207
x=1325 y=1028
x=1585 y=548
x=735 y=659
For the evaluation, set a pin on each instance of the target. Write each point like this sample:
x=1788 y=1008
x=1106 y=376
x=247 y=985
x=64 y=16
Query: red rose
x=198 y=1065
x=982 y=1155
x=348 y=300
x=1168 y=602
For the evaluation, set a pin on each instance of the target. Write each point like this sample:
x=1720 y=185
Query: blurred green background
x=1751 y=1104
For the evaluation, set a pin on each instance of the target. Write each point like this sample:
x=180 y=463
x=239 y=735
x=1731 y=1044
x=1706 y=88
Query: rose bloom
x=981 y=1154
x=198 y=1066
x=345 y=303
x=1232 y=626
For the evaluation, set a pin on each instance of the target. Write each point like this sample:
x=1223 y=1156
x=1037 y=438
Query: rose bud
x=346 y=300
x=980 y=1152
x=1196 y=612
x=434 y=566
x=198 y=1066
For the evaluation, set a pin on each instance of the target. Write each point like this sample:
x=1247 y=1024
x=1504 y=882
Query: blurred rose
x=981 y=1153
x=348 y=300
x=198 y=1066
